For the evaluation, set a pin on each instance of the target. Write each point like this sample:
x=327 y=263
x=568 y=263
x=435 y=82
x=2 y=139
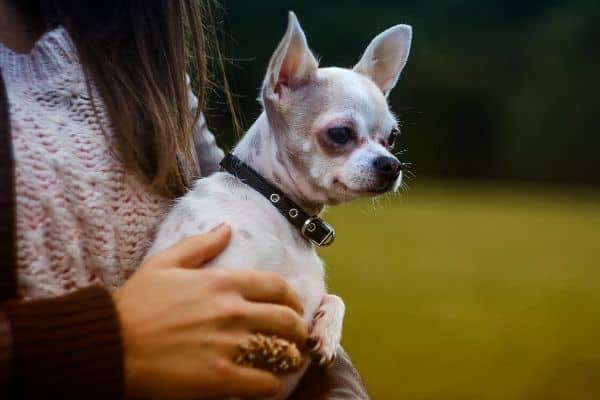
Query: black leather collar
x=311 y=227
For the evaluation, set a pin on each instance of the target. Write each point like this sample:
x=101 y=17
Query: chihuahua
x=324 y=137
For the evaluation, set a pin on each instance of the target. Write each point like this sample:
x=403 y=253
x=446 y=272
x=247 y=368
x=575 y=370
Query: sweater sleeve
x=208 y=152
x=340 y=382
x=68 y=346
x=6 y=346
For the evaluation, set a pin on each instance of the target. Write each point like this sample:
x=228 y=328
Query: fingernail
x=220 y=226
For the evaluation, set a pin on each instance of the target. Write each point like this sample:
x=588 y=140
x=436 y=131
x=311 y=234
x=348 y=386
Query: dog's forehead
x=355 y=94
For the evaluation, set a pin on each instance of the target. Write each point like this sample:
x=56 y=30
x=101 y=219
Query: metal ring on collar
x=310 y=226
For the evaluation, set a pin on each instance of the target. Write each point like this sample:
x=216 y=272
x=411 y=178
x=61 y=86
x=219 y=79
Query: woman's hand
x=182 y=326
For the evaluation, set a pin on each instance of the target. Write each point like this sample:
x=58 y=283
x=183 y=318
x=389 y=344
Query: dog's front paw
x=323 y=351
x=326 y=331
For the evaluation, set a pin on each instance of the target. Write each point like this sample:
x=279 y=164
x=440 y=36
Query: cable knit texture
x=80 y=218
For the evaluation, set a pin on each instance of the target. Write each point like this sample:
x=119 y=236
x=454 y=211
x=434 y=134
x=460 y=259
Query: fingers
x=267 y=287
x=278 y=320
x=254 y=285
x=195 y=250
x=253 y=382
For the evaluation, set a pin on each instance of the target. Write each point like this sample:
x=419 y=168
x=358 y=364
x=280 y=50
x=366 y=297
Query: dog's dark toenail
x=311 y=343
x=331 y=361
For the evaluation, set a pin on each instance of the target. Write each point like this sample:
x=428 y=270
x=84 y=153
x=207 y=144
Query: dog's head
x=334 y=128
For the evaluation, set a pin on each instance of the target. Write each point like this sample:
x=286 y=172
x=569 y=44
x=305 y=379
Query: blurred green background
x=471 y=292
x=482 y=280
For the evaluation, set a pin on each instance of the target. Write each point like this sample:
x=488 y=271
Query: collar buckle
x=318 y=231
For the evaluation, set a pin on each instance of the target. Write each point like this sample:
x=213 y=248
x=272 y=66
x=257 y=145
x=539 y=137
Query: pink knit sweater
x=81 y=219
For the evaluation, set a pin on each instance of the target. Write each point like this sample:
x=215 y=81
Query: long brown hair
x=137 y=52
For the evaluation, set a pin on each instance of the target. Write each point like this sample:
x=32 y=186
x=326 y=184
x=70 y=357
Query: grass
x=473 y=292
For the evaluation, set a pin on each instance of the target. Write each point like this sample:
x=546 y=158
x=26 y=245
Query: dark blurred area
x=493 y=90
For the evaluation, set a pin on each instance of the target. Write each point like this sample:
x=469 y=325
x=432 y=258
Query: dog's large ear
x=292 y=63
x=386 y=56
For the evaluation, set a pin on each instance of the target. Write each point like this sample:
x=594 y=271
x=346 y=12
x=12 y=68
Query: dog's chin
x=347 y=193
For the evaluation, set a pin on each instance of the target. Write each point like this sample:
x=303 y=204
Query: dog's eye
x=392 y=138
x=340 y=135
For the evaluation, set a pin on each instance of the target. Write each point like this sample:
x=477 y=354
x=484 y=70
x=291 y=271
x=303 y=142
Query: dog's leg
x=323 y=342
x=326 y=331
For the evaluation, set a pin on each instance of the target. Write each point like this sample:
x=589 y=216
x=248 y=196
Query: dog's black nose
x=388 y=167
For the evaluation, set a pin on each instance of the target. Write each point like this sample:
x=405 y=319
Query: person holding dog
x=99 y=132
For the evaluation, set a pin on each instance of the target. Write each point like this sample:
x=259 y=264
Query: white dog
x=324 y=137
